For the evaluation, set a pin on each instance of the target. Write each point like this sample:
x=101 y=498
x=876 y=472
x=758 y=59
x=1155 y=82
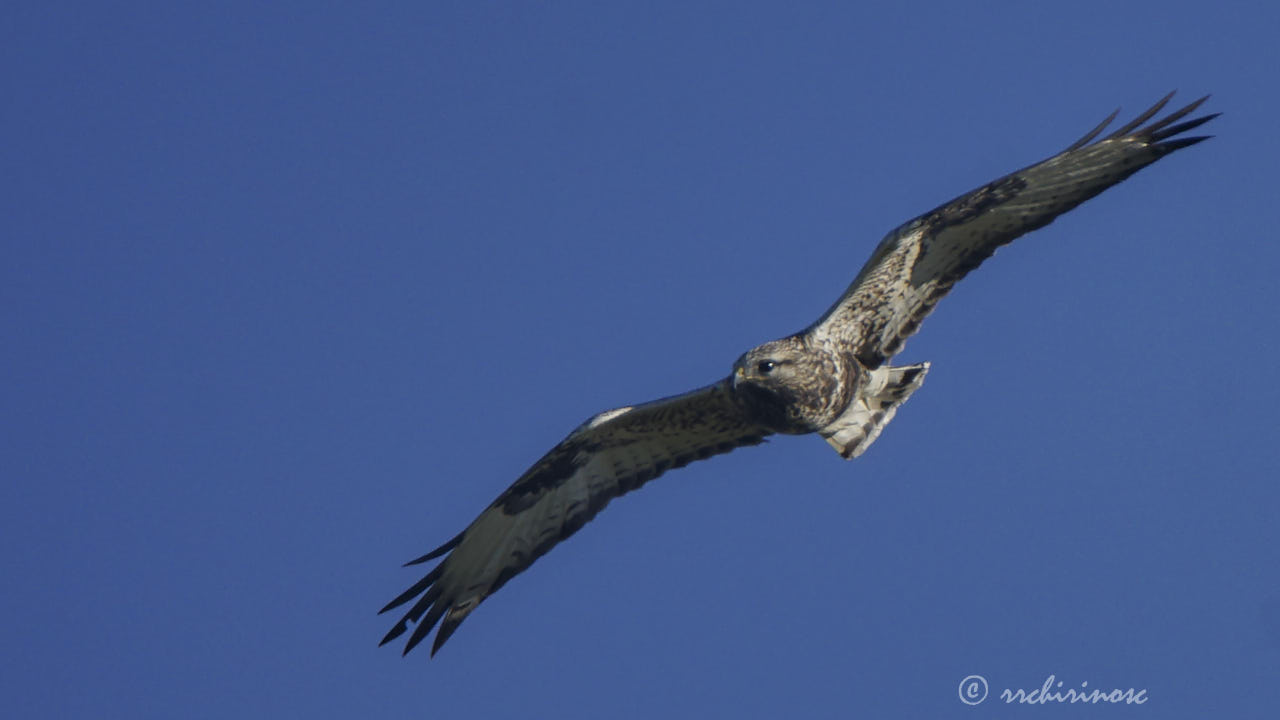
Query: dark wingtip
x=409 y=646
x=1182 y=127
x=438 y=551
x=446 y=629
x=424 y=626
x=1145 y=116
x=1157 y=128
x=1094 y=132
x=394 y=633
x=1158 y=131
x=1180 y=143
x=416 y=589
x=419 y=560
x=400 y=600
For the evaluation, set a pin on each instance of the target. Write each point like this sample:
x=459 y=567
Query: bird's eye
x=764 y=367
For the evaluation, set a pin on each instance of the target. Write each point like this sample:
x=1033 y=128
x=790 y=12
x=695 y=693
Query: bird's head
x=789 y=386
x=771 y=365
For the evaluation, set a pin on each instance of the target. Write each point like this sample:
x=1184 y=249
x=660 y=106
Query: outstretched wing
x=916 y=264
x=613 y=453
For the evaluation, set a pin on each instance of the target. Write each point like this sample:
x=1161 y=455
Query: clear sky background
x=289 y=294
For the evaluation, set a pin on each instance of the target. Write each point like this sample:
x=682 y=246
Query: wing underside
x=918 y=263
x=611 y=454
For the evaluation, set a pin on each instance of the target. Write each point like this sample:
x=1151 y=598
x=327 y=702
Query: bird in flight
x=832 y=378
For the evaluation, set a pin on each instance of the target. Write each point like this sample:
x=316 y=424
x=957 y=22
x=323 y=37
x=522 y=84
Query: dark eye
x=764 y=367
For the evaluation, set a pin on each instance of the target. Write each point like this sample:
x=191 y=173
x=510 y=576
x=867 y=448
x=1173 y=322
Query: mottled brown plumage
x=831 y=378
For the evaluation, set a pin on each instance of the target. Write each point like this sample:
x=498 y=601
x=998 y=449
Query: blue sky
x=291 y=293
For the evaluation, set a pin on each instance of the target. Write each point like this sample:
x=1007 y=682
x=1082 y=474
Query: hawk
x=832 y=378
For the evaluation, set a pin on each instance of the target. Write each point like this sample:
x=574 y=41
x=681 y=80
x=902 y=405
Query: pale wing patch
x=605 y=417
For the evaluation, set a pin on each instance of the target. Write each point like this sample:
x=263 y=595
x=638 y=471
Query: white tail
x=860 y=424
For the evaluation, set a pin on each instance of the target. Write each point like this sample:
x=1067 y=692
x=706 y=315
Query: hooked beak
x=738 y=374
